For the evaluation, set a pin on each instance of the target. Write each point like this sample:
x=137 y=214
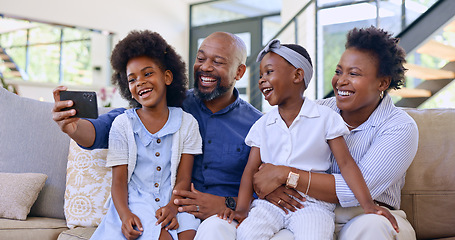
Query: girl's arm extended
x=350 y=171
x=353 y=177
x=120 y=198
x=167 y=214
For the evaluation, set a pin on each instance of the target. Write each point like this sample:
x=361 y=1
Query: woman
x=383 y=141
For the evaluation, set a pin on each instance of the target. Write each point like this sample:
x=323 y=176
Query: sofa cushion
x=19 y=192
x=77 y=234
x=88 y=185
x=429 y=192
x=30 y=141
x=33 y=228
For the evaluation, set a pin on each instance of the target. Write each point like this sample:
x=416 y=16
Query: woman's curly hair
x=390 y=55
x=150 y=44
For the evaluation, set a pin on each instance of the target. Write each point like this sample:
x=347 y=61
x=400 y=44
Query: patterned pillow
x=88 y=185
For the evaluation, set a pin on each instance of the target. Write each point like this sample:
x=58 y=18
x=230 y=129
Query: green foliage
x=442 y=99
x=333 y=48
x=7 y=86
x=52 y=54
x=77 y=63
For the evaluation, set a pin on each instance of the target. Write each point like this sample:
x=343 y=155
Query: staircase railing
x=417 y=40
x=9 y=63
x=426 y=24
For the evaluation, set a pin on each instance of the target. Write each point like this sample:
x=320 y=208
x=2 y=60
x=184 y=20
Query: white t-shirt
x=304 y=144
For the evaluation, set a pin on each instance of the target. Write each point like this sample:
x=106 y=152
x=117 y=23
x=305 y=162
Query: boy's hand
x=376 y=209
x=225 y=214
x=167 y=217
x=131 y=226
x=230 y=215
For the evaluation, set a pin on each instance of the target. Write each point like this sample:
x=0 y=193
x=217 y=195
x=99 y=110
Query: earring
x=381 y=95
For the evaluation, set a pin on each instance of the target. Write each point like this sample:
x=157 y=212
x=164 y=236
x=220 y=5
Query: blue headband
x=293 y=57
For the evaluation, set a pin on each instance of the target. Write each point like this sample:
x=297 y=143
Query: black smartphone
x=84 y=103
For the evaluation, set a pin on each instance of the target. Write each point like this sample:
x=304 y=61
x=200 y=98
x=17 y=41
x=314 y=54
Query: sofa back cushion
x=429 y=192
x=30 y=141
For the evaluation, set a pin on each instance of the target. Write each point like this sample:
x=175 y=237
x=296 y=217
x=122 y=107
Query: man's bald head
x=233 y=41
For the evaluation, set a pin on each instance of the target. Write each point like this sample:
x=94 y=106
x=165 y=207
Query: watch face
x=292 y=180
x=230 y=203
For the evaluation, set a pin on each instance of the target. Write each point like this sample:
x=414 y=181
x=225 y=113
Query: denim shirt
x=219 y=169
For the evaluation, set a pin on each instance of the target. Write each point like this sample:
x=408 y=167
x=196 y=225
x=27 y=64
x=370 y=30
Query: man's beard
x=218 y=91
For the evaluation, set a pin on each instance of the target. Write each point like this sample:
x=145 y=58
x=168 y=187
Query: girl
x=151 y=146
x=302 y=135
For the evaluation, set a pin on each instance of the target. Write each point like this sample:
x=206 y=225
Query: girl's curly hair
x=390 y=55
x=150 y=44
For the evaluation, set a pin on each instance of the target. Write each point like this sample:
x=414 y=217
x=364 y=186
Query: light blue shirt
x=153 y=165
x=383 y=148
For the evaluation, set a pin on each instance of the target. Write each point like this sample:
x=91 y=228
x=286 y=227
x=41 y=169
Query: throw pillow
x=88 y=185
x=18 y=193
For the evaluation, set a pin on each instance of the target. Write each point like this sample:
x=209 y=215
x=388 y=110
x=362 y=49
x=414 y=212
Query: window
x=47 y=53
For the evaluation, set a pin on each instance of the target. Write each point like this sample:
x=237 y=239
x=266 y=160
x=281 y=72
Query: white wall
x=115 y=16
x=169 y=18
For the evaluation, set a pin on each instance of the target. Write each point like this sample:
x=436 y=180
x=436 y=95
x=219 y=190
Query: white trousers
x=315 y=221
x=266 y=221
x=352 y=224
x=219 y=229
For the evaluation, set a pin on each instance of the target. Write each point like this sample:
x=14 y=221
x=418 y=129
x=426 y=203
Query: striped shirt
x=383 y=148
